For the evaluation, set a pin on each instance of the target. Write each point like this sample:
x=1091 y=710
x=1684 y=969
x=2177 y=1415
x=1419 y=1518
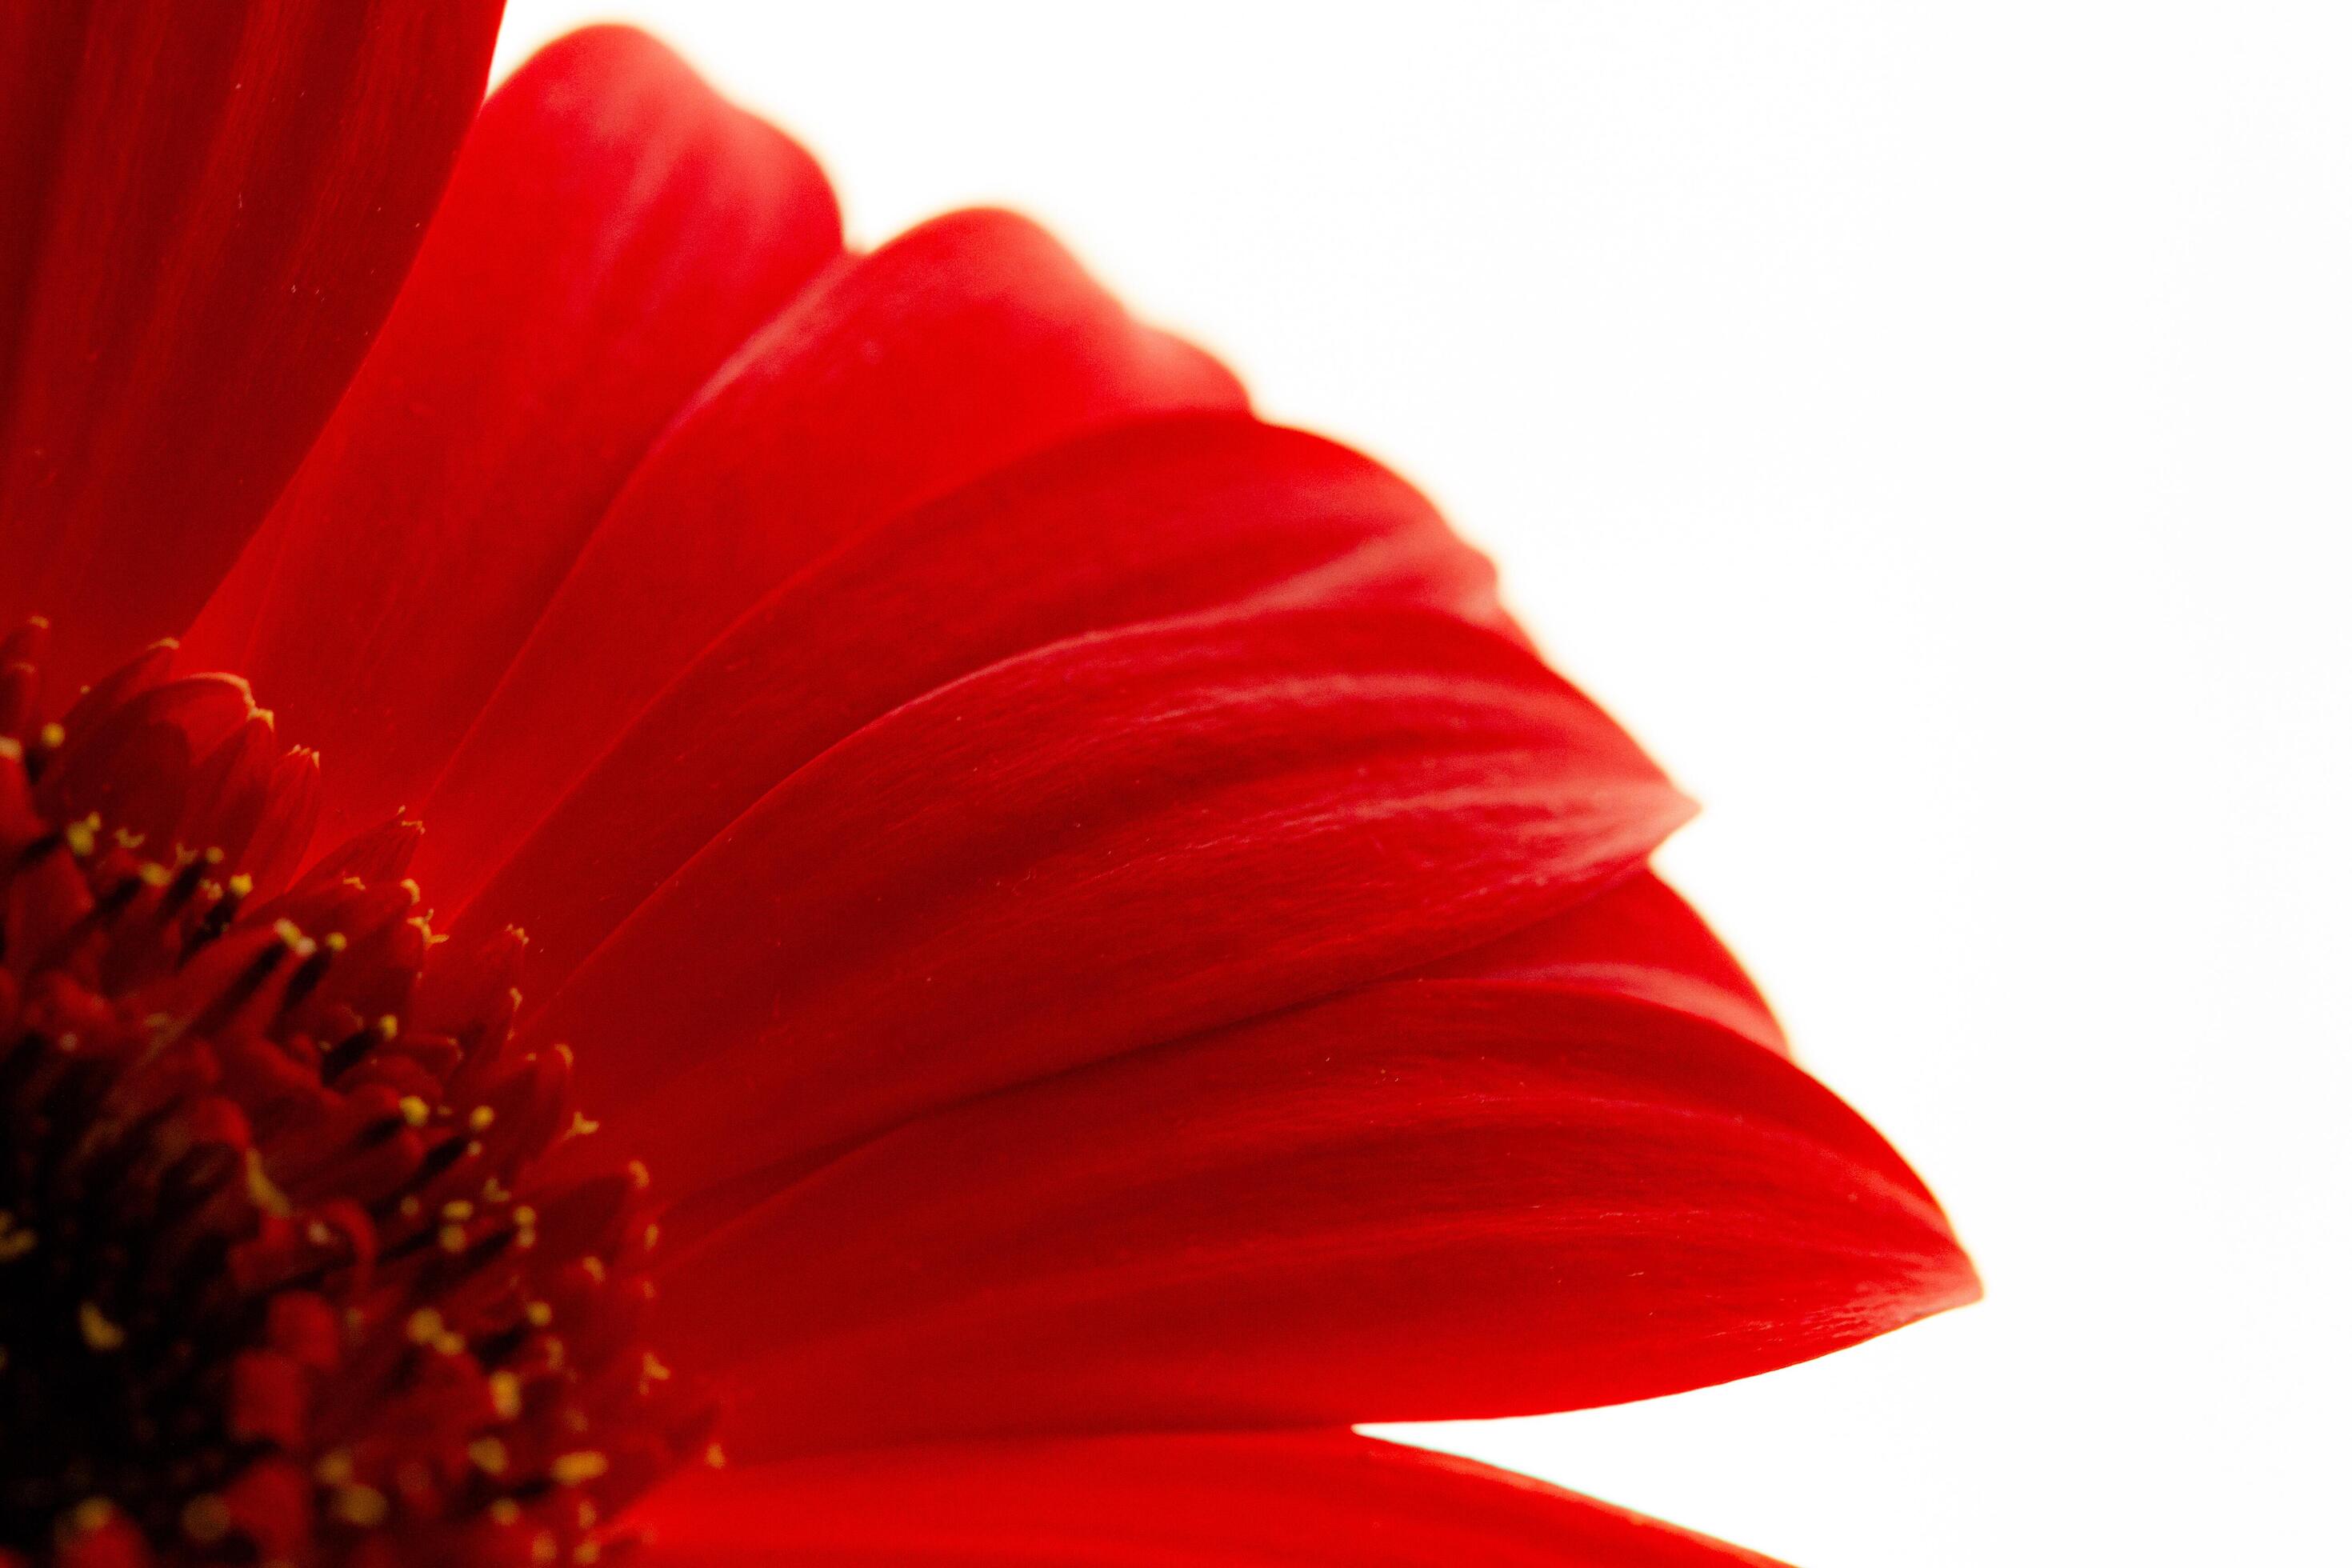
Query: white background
x=1926 y=426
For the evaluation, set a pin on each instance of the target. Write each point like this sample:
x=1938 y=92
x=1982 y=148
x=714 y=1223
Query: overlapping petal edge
x=1119 y=958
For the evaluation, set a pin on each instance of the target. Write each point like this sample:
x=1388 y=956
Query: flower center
x=285 y=1275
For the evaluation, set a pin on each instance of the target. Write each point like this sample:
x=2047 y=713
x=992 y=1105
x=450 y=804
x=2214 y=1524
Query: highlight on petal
x=965 y=343
x=1221 y=1500
x=1638 y=940
x=1429 y=1198
x=205 y=213
x=1111 y=841
x=1163 y=518
x=614 y=230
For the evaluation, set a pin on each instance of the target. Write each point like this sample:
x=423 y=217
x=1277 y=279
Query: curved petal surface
x=1639 y=940
x=1428 y=1199
x=963 y=344
x=612 y=232
x=205 y=213
x=1229 y=1500
x=1159 y=519
x=1113 y=840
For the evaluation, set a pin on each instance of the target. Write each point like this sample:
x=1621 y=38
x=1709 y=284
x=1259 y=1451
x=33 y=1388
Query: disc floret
x=285 y=1275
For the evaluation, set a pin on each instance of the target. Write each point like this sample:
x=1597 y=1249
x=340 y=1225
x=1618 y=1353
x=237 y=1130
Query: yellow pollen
x=205 y=1520
x=262 y=1190
x=715 y=1457
x=574 y=1469
x=10 y=750
x=437 y=1468
x=53 y=735
x=98 y=1331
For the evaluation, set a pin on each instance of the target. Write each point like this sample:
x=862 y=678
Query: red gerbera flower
x=1107 y=952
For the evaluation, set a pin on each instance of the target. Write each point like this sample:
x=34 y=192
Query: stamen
x=271 y=1286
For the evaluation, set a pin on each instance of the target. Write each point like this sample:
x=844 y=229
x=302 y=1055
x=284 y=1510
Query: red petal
x=1152 y=520
x=613 y=231
x=1638 y=940
x=1112 y=841
x=1429 y=1199
x=1273 y=1500
x=967 y=343
x=205 y=213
